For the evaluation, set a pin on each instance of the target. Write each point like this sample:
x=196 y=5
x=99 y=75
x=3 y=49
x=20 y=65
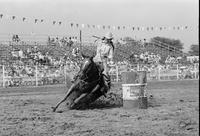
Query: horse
x=88 y=86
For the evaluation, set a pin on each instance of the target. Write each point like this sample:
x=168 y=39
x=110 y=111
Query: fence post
x=138 y=67
x=117 y=73
x=177 y=74
x=3 y=67
x=80 y=38
x=36 y=75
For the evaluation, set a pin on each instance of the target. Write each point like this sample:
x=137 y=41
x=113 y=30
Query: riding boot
x=107 y=83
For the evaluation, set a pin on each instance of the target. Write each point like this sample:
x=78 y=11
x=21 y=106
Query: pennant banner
x=104 y=27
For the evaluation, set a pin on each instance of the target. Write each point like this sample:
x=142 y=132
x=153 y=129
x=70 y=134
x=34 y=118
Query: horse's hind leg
x=93 y=96
x=86 y=98
x=78 y=101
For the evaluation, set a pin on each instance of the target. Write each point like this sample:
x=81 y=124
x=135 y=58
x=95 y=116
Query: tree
x=173 y=42
x=194 y=50
x=128 y=40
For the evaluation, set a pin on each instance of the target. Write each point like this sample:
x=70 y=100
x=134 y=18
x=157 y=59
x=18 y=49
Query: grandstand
x=123 y=51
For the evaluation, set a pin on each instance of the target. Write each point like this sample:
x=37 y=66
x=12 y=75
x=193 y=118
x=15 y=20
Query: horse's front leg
x=65 y=98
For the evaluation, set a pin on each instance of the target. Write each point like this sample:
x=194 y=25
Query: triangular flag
x=182 y=27
x=36 y=20
x=160 y=28
x=108 y=27
x=124 y=27
x=42 y=20
x=142 y=28
x=13 y=17
x=138 y=28
x=118 y=27
x=152 y=28
x=113 y=27
x=60 y=23
x=83 y=25
x=71 y=24
x=76 y=25
x=88 y=25
x=1 y=15
x=93 y=26
x=54 y=22
x=23 y=19
x=186 y=27
x=7 y=16
x=147 y=28
x=104 y=27
x=133 y=28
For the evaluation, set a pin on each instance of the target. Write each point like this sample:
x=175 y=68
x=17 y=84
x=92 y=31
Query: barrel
x=134 y=94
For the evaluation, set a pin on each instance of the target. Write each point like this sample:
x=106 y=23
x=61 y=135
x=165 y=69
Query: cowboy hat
x=109 y=35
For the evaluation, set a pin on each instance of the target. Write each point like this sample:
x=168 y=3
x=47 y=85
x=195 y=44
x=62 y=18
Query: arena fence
x=35 y=75
x=174 y=72
x=14 y=76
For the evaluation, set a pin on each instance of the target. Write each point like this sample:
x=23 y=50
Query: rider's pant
x=106 y=76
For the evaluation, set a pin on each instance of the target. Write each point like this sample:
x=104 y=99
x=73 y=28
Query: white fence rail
x=47 y=75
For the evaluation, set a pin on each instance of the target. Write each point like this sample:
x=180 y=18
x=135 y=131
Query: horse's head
x=88 y=70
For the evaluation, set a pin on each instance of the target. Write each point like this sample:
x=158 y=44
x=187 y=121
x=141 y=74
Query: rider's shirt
x=104 y=52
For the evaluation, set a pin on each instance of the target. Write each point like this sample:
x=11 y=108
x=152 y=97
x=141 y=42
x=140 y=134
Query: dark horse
x=88 y=86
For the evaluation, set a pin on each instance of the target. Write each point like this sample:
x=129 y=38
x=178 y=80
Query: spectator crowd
x=31 y=62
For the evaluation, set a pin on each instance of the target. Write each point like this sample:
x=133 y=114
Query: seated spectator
x=17 y=38
x=21 y=54
x=70 y=42
x=15 y=53
x=13 y=38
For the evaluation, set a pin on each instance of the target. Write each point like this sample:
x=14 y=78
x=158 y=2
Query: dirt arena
x=173 y=111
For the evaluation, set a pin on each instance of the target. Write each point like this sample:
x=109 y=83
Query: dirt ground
x=173 y=111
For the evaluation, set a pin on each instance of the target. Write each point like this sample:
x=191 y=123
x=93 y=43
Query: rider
x=104 y=55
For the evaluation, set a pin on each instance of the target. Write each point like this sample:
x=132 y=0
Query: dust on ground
x=173 y=111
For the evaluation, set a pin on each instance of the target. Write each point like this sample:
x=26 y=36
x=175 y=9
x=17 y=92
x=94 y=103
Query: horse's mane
x=86 y=65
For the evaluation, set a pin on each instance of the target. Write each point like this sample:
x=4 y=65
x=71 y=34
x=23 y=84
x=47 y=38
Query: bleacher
x=121 y=51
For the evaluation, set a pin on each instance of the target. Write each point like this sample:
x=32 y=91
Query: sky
x=129 y=13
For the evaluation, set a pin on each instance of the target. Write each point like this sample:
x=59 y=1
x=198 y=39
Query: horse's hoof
x=60 y=111
x=54 y=109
